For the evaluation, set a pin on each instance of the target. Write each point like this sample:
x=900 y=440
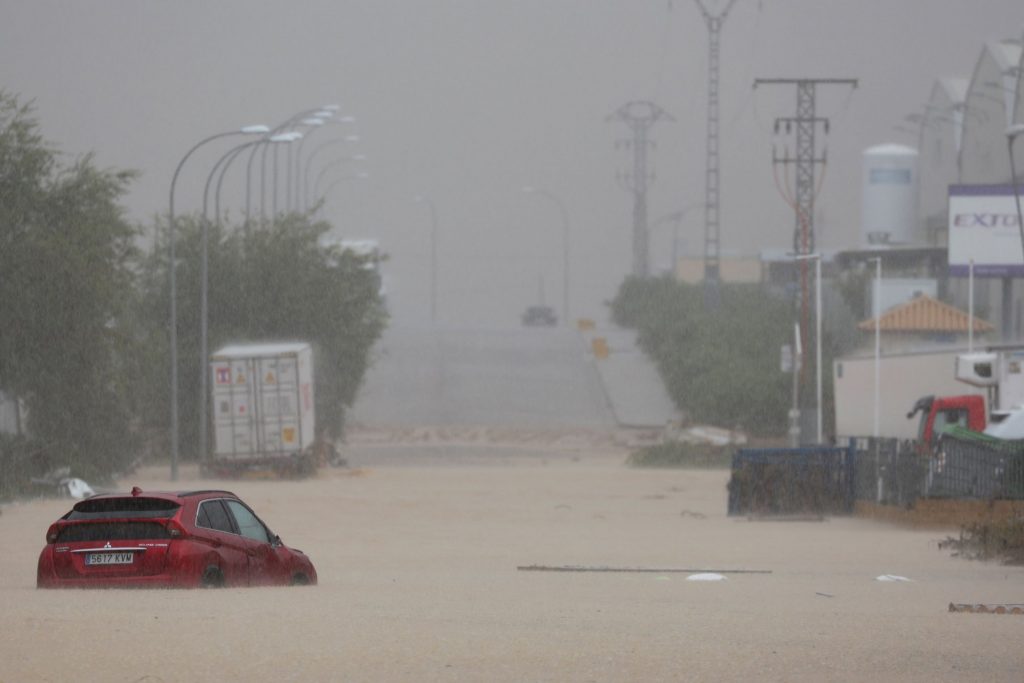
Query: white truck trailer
x=263 y=408
x=994 y=372
x=904 y=378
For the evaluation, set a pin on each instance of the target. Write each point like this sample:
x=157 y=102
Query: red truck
x=939 y=412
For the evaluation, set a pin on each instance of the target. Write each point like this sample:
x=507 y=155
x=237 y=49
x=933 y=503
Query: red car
x=185 y=540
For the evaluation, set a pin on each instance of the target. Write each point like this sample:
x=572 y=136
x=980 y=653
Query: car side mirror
x=275 y=541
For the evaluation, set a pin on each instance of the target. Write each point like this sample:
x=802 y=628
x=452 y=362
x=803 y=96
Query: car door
x=218 y=528
x=266 y=564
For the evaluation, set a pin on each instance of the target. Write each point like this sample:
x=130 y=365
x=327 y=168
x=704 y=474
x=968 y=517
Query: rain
x=569 y=340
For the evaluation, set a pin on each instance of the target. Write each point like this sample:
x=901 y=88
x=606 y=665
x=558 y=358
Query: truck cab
x=939 y=413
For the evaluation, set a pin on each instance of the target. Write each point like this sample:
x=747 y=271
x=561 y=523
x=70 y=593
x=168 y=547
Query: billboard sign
x=983 y=227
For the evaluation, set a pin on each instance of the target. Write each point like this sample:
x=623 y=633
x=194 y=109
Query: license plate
x=109 y=558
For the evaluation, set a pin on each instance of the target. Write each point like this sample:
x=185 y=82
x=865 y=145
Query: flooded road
x=418 y=582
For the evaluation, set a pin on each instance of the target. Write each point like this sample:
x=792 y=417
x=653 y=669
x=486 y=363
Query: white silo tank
x=890 y=186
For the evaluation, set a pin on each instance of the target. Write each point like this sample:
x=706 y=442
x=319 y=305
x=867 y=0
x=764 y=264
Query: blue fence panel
x=782 y=481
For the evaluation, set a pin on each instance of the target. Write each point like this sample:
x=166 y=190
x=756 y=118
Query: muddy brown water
x=418 y=558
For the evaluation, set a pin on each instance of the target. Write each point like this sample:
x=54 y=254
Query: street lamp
x=324 y=112
x=327 y=167
x=421 y=199
x=529 y=189
x=312 y=123
x=1012 y=133
x=222 y=164
x=173 y=286
x=302 y=179
x=877 y=305
x=309 y=161
x=876 y=432
x=290 y=136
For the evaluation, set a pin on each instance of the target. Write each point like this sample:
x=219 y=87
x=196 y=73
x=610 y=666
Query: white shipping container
x=262 y=400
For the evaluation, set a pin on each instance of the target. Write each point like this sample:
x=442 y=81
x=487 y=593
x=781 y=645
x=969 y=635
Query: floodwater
x=418 y=558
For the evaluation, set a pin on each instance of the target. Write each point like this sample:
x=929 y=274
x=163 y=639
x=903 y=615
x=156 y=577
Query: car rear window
x=110 y=508
x=111 y=531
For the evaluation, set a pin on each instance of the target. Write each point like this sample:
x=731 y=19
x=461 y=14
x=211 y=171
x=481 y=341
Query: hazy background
x=468 y=101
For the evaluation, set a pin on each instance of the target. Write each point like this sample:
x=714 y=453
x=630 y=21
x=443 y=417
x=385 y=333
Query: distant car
x=540 y=316
x=156 y=539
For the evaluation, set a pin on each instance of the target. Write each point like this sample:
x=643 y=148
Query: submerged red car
x=168 y=540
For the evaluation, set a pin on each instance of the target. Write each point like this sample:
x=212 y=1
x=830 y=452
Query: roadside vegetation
x=683 y=455
x=1002 y=541
x=83 y=324
x=720 y=366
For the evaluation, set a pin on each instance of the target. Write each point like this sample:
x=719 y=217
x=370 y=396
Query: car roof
x=166 y=495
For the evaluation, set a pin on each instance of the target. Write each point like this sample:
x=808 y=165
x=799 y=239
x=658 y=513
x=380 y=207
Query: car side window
x=248 y=523
x=212 y=515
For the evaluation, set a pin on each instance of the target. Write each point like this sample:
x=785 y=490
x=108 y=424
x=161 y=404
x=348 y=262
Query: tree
x=67 y=281
x=719 y=366
x=278 y=283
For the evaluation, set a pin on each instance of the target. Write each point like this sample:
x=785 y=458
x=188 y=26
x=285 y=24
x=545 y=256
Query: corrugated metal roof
x=925 y=314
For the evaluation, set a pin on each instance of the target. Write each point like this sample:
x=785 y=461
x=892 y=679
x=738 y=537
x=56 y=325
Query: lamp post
x=290 y=136
x=877 y=305
x=173 y=286
x=1012 y=133
x=421 y=199
x=204 y=280
x=325 y=111
x=302 y=178
x=529 y=189
x=876 y=431
x=328 y=166
x=309 y=163
x=312 y=123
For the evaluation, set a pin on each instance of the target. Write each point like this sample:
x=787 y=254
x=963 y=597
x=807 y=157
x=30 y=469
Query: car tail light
x=175 y=529
x=51 y=534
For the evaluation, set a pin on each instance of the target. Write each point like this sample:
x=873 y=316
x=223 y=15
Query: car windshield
x=112 y=508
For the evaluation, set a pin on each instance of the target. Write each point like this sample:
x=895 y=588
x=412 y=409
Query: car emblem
x=107 y=545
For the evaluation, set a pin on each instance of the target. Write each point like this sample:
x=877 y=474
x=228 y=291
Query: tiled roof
x=925 y=314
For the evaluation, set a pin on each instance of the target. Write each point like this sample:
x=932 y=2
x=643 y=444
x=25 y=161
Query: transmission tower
x=806 y=123
x=639 y=116
x=712 y=227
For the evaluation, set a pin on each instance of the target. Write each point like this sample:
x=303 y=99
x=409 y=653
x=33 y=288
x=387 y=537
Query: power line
x=806 y=124
x=639 y=116
x=712 y=226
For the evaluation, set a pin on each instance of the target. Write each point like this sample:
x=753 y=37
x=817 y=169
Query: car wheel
x=212 y=578
x=300 y=580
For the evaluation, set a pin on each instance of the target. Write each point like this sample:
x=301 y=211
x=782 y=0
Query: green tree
x=276 y=283
x=720 y=366
x=66 y=285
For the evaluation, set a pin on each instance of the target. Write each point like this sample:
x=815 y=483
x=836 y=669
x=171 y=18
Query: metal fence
x=889 y=471
x=895 y=472
x=970 y=468
x=786 y=481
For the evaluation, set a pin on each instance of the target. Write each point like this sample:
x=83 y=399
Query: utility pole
x=639 y=116
x=712 y=227
x=806 y=123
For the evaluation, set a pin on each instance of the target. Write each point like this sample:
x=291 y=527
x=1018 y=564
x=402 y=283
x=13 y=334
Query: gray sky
x=467 y=101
